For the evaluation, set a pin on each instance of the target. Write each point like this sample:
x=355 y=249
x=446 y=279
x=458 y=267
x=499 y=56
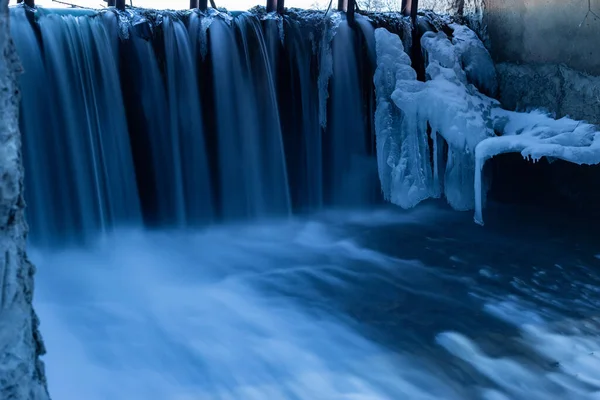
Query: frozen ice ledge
x=434 y=137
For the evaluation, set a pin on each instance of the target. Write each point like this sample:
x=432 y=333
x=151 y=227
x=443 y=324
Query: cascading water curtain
x=80 y=179
x=183 y=119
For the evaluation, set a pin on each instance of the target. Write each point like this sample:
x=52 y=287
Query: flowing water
x=171 y=163
x=380 y=304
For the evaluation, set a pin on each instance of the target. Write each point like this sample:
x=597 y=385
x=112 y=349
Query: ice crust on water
x=464 y=126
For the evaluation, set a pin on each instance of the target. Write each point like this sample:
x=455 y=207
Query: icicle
x=401 y=128
x=437 y=189
x=326 y=65
x=198 y=28
x=281 y=30
x=479 y=162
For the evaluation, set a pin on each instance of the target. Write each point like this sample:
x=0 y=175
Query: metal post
x=410 y=8
x=271 y=5
x=120 y=4
x=406 y=6
x=203 y=5
x=350 y=10
x=280 y=6
x=28 y=3
x=413 y=11
x=193 y=4
x=341 y=5
x=111 y=3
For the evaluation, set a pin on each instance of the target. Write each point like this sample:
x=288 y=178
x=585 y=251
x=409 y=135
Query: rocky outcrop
x=21 y=371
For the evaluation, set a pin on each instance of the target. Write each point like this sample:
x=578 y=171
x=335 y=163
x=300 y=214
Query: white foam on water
x=167 y=316
x=233 y=313
x=572 y=346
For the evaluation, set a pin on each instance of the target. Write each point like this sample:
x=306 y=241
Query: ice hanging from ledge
x=461 y=123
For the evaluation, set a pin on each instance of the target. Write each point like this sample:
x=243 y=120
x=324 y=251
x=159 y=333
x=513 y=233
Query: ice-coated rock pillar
x=21 y=371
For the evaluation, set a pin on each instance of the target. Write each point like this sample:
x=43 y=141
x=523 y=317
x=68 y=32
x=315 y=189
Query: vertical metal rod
x=280 y=6
x=413 y=12
x=271 y=5
x=203 y=5
x=193 y=4
x=406 y=7
x=350 y=11
x=410 y=8
x=111 y=3
x=120 y=4
x=341 y=5
x=28 y=3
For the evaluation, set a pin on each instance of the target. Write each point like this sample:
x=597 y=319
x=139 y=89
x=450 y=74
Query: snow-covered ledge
x=21 y=371
x=450 y=110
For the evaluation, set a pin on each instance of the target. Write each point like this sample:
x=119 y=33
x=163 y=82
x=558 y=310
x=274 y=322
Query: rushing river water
x=380 y=304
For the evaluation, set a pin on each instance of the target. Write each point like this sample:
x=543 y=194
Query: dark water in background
x=379 y=304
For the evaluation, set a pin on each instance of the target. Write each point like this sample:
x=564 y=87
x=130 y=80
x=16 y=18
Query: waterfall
x=182 y=119
x=252 y=169
x=350 y=170
x=81 y=178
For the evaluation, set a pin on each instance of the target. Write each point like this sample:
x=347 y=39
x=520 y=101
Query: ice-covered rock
x=473 y=13
x=402 y=149
x=21 y=371
x=465 y=127
x=454 y=110
x=475 y=59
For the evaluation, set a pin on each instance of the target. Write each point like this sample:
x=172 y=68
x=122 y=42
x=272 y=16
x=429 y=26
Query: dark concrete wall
x=545 y=32
x=555 y=88
x=533 y=31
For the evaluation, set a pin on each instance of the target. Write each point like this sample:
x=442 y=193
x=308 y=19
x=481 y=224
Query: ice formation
x=473 y=12
x=449 y=111
x=198 y=29
x=326 y=64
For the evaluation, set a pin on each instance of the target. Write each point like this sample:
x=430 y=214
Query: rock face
x=21 y=371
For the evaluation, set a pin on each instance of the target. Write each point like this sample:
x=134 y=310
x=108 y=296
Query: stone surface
x=558 y=89
x=533 y=31
x=21 y=371
x=546 y=50
x=545 y=32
